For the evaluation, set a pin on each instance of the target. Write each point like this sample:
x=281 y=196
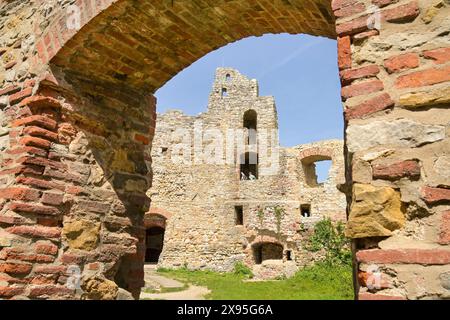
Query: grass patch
x=322 y=281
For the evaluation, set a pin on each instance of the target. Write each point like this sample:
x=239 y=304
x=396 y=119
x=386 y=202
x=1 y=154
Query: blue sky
x=300 y=71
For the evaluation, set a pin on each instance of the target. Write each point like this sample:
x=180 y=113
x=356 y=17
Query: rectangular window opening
x=238 y=215
x=305 y=210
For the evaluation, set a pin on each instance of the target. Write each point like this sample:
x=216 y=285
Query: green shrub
x=241 y=269
x=331 y=238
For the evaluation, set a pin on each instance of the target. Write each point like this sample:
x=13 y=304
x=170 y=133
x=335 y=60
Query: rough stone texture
x=103 y=75
x=374 y=212
x=81 y=234
x=201 y=232
x=274 y=269
x=99 y=289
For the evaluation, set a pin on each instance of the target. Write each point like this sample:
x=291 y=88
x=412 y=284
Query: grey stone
x=401 y=133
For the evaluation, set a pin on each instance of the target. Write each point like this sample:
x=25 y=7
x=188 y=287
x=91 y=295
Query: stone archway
x=79 y=115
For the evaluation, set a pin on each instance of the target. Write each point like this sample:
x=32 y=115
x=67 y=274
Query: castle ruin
x=209 y=213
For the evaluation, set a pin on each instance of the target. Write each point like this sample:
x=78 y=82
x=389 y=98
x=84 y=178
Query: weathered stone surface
x=274 y=269
x=123 y=294
x=97 y=288
x=195 y=202
x=375 y=212
x=81 y=234
x=425 y=98
x=400 y=132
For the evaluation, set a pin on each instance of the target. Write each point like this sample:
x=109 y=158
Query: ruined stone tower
x=216 y=208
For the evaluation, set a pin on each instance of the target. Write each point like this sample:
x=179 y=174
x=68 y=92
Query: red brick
x=370 y=106
x=364 y=280
x=141 y=138
x=40 y=132
x=37 y=161
x=9 y=90
x=15 y=268
x=383 y=3
x=353 y=27
x=361 y=88
x=75 y=190
x=46 y=247
x=28 y=150
x=349 y=75
x=27 y=257
x=39 y=183
x=33 y=208
x=339 y=4
x=70 y=258
x=347 y=11
x=54 y=199
x=19 y=96
x=371 y=296
x=344 y=52
x=36 y=120
x=402 y=62
x=403 y=13
x=49 y=221
x=23 y=194
x=35 y=231
x=395 y=171
x=35 y=142
x=23 y=169
x=45 y=269
x=49 y=290
x=11 y=220
x=436 y=195
x=423 y=78
x=11 y=291
x=439 y=56
x=365 y=35
x=40 y=102
x=444 y=235
x=405 y=256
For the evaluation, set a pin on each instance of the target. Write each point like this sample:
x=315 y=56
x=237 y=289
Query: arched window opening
x=267 y=251
x=316 y=170
x=250 y=123
x=250 y=119
x=249 y=166
x=228 y=77
x=154 y=241
x=224 y=92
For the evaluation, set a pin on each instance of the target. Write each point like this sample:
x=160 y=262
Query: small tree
x=331 y=239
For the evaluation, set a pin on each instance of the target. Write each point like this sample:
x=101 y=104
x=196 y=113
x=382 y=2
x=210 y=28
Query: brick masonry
x=96 y=89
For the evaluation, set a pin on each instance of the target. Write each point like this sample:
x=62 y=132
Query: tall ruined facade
x=77 y=116
x=214 y=214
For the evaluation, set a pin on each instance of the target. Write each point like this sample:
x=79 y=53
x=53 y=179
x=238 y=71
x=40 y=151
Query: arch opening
x=154 y=242
x=267 y=251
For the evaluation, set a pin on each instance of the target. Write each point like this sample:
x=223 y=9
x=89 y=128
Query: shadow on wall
x=105 y=131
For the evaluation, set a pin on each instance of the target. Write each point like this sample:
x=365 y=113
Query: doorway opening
x=154 y=242
x=267 y=251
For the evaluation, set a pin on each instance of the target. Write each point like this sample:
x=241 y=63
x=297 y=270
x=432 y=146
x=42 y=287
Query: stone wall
x=202 y=194
x=393 y=61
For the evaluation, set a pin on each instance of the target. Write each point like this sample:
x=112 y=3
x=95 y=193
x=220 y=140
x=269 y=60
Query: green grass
x=319 y=282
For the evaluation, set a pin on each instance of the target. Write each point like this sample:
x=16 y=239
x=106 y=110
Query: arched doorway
x=121 y=51
x=267 y=251
x=154 y=242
